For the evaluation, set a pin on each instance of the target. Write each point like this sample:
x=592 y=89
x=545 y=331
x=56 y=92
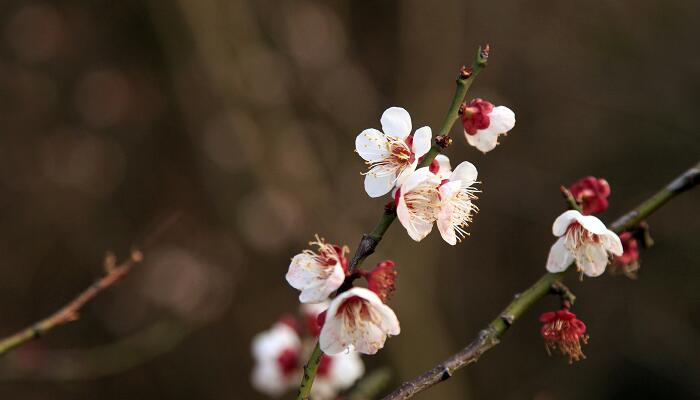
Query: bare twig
x=491 y=335
x=70 y=311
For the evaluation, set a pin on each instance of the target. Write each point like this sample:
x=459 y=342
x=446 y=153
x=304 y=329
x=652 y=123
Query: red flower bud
x=475 y=115
x=592 y=194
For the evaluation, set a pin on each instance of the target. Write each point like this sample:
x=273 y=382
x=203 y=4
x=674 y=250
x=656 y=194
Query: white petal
x=592 y=224
x=445 y=169
x=390 y=323
x=465 y=172
x=559 y=257
x=444 y=217
x=594 y=264
x=319 y=291
x=502 y=119
x=346 y=368
x=561 y=224
x=379 y=182
x=403 y=175
x=269 y=344
x=612 y=243
x=268 y=379
x=331 y=339
x=372 y=145
x=422 y=141
x=483 y=140
x=417 y=229
x=417 y=177
x=396 y=122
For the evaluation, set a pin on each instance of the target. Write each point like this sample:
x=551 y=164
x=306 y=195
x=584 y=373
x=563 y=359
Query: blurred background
x=239 y=117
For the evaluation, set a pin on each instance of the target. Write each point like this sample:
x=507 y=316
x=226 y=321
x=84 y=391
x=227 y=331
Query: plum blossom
x=563 y=332
x=435 y=193
x=583 y=239
x=591 y=193
x=392 y=154
x=318 y=274
x=277 y=357
x=456 y=203
x=483 y=123
x=357 y=319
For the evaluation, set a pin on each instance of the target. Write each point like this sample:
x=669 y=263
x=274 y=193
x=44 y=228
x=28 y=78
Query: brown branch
x=491 y=335
x=70 y=311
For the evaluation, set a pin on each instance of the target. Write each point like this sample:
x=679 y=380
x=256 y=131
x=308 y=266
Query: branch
x=70 y=311
x=370 y=241
x=491 y=335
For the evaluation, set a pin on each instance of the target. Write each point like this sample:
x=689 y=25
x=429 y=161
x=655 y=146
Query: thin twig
x=70 y=311
x=370 y=241
x=491 y=335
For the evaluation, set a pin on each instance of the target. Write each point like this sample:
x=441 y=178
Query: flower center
x=288 y=361
x=400 y=156
x=462 y=207
x=356 y=310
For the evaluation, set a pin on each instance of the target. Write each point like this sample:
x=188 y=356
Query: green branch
x=491 y=335
x=370 y=241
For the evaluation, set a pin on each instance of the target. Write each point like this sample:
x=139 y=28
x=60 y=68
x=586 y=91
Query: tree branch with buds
x=548 y=283
x=369 y=242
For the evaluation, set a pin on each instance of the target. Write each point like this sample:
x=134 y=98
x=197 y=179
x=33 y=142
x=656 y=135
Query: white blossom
x=392 y=154
x=584 y=239
x=357 y=319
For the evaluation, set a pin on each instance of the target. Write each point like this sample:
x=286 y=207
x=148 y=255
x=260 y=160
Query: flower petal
x=405 y=173
x=444 y=217
x=269 y=344
x=561 y=224
x=346 y=369
x=268 y=378
x=592 y=224
x=559 y=257
x=465 y=172
x=331 y=339
x=319 y=291
x=595 y=261
x=502 y=119
x=445 y=169
x=396 y=122
x=613 y=243
x=417 y=228
x=417 y=177
x=421 y=141
x=379 y=181
x=372 y=145
x=483 y=140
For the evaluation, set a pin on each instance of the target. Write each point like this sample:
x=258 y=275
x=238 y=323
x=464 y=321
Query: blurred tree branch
x=70 y=312
x=370 y=241
x=490 y=336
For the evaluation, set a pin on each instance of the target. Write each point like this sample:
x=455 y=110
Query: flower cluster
x=434 y=193
x=280 y=353
x=356 y=319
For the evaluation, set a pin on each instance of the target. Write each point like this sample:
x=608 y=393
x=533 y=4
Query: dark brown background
x=241 y=116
